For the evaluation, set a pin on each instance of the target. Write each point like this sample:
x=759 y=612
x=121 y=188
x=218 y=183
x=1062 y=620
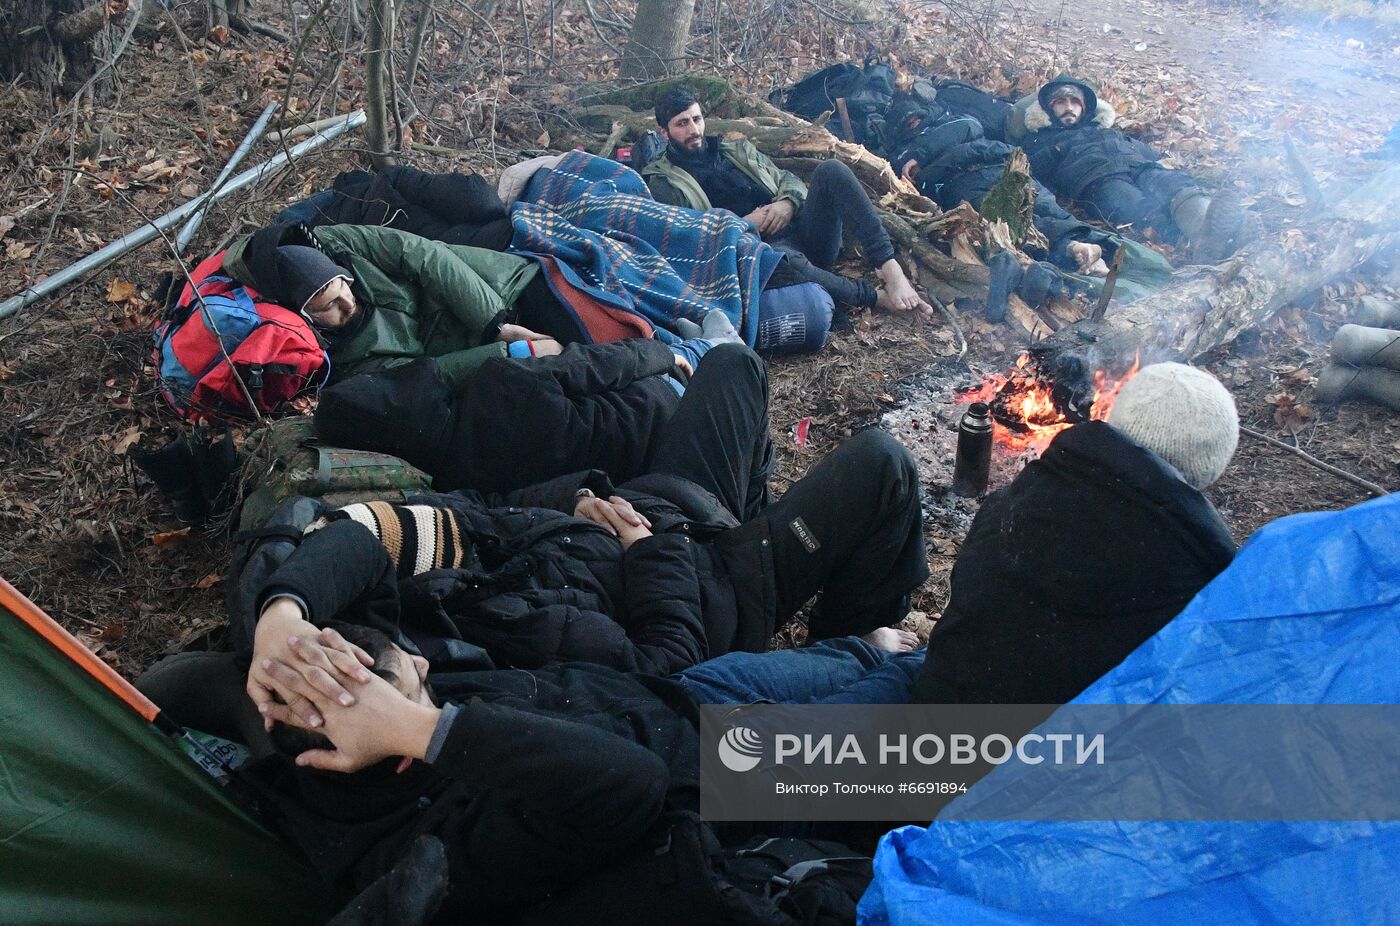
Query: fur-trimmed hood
x=1037 y=117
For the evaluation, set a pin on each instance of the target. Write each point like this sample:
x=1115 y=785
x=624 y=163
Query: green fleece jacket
x=676 y=187
x=418 y=298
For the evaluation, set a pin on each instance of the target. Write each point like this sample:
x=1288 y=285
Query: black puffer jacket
x=1069 y=160
x=511 y=422
x=1090 y=551
x=957 y=163
x=545 y=776
x=541 y=585
x=453 y=208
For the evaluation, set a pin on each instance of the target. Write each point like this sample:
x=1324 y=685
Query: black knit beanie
x=302 y=272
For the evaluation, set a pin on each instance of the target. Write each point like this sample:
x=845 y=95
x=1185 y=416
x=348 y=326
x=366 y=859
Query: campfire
x=1031 y=405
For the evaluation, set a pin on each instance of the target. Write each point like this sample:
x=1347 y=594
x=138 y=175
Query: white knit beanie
x=1183 y=415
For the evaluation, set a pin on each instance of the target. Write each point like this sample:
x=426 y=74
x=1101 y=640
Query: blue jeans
x=841 y=670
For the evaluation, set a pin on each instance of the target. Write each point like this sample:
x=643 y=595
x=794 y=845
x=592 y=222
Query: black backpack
x=646 y=149
x=868 y=98
x=684 y=877
x=962 y=99
x=816 y=93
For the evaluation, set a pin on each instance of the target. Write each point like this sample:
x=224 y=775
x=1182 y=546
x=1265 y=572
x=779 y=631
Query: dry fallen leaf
x=543 y=140
x=209 y=581
x=124 y=440
x=168 y=537
x=7 y=222
x=18 y=250
x=120 y=290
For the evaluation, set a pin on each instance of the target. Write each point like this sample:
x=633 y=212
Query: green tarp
x=103 y=820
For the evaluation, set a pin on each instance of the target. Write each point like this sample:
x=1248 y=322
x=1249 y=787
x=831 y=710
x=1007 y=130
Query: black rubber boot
x=215 y=462
x=1040 y=282
x=172 y=468
x=1006 y=274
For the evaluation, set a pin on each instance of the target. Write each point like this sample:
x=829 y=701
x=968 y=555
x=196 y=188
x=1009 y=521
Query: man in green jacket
x=381 y=297
x=704 y=172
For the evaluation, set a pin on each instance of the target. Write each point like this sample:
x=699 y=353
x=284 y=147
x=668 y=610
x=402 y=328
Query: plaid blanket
x=596 y=218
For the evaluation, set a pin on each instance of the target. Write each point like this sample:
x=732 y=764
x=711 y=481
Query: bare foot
x=898 y=294
x=891 y=639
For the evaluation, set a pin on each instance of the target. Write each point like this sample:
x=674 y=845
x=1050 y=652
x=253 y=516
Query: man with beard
x=700 y=171
x=1068 y=134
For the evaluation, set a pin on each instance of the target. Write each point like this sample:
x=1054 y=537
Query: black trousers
x=851 y=529
x=795 y=267
x=718 y=436
x=835 y=202
x=1142 y=199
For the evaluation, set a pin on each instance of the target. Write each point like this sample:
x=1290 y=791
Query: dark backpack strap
x=851 y=865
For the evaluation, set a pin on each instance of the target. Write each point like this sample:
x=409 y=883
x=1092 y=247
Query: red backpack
x=271 y=349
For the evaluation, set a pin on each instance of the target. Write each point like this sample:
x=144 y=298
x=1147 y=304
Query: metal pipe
x=306 y=128
x=153 y=228
x=182 y=241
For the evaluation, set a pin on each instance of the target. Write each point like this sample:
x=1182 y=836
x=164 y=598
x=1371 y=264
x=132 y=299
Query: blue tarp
x=1308 y=613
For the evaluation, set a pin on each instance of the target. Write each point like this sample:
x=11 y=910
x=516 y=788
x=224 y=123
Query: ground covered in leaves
x=1215 y=85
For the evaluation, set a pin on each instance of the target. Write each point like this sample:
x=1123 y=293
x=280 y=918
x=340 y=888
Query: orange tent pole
x=66 y=643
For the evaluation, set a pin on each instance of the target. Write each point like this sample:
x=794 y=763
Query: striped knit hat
x=418 y=538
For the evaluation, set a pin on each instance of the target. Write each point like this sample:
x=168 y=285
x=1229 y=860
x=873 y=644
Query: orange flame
x=1028 y=399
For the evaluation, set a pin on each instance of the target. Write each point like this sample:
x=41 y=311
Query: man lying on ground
x=381 y=298
x=1090 y=550
x=512 y=423
x=686 y=562
x=1067 y=132
x=452 y=208
x=703 y=172
x=532 y=780
x=950 y=162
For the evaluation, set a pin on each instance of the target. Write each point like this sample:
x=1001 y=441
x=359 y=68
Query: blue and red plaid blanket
x=596 y=218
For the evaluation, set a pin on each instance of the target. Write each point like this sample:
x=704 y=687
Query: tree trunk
x=656 y=46
x=1209 y=307
x=52 y=44
x=376 y=100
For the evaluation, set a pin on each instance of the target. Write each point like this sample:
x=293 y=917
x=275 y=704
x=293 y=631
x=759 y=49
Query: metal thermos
x=973 y=464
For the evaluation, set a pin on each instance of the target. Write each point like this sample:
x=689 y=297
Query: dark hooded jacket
x=544 y=777
x=1089 y=552
x=1069 y=160
x=452 y=208
x=510 y=423
x=538 y=585
x=957 y=163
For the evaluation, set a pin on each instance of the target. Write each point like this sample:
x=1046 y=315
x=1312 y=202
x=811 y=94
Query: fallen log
x=1209 y=307
x=87 y=22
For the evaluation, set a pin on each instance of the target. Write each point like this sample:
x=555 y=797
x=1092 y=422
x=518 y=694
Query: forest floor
x=1214 y=85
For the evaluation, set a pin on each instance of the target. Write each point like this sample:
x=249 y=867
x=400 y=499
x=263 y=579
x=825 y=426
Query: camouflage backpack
x=286 y=459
